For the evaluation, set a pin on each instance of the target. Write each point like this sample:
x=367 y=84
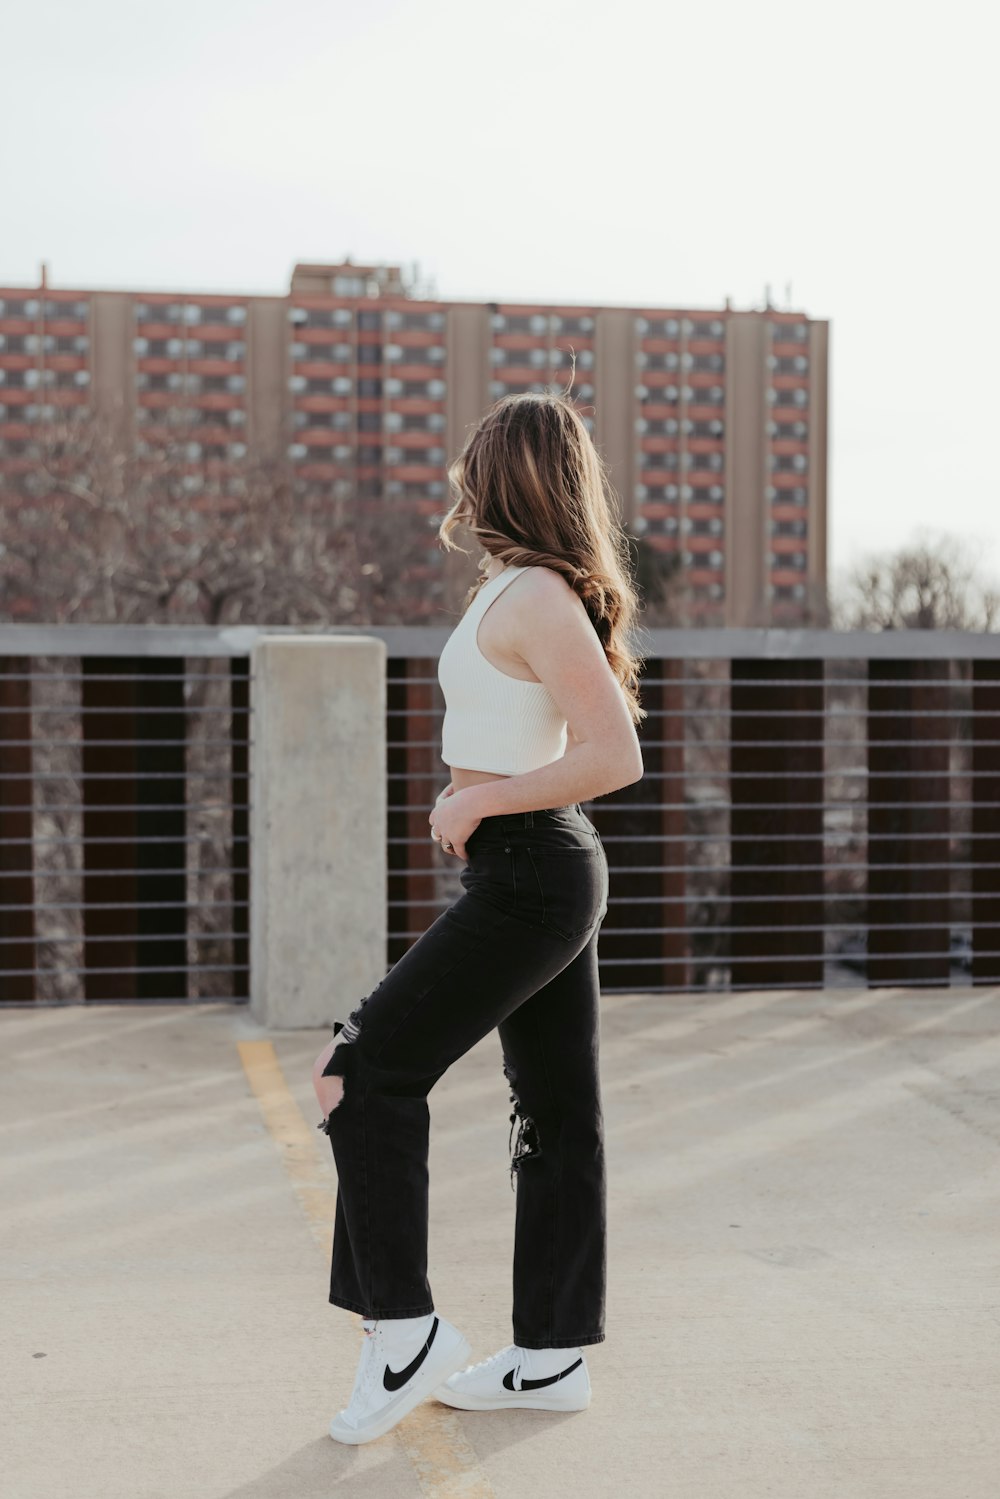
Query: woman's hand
x=329 y=1090
x=451 y=824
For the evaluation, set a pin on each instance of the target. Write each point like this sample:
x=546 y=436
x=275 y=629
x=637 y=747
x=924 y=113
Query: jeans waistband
x=543 y=817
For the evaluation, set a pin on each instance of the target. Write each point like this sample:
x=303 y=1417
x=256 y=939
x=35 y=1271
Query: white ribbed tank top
x=493 y=721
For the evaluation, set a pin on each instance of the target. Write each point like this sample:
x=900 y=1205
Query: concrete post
x=318 y=826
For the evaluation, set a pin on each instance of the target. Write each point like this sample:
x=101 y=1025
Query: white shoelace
x=367 y=1366
x=494 y=1358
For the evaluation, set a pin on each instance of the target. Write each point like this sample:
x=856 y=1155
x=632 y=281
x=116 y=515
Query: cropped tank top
x=493 y=721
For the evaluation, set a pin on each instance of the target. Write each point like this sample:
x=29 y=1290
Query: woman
x=541 y=704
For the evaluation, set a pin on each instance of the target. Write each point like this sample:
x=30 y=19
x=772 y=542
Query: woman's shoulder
x=543 y=593
x=547 y=579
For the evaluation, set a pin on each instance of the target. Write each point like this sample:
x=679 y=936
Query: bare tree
x=934 y=583
x=101 y=530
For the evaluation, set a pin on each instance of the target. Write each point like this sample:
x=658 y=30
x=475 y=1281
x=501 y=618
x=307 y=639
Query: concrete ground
x=804 y=1293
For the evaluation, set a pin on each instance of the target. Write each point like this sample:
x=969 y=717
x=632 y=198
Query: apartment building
x=713 y=421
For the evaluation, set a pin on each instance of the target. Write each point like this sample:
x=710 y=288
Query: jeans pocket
x=569 y=886
x=489 y=874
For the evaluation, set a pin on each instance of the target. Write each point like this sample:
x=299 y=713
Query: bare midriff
x=461 y=779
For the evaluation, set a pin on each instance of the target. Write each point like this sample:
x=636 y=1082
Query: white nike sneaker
x=394 y=1375
x=505 y=1379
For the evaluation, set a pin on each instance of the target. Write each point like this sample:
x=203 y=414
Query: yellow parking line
x=309 y=1172
x=445 y=1465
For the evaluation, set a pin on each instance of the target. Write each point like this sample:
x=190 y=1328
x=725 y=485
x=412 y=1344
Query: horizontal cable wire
x=830 y=868
x=806 y=926
x=912 y=982
x=48 y=678
x=99 y=808
x=791 y=897
x=859 y=683
x=131 y=969
x=828 y=743
x=87 y=776
x=183 y=935
x=829 y=771
x=78 y=871
x=122 y=743
x=728 y=959
x=126 y=837
x=80 y=1004
x=127 y=905
x=847 y=804
x=822 y=835
x=133 y=710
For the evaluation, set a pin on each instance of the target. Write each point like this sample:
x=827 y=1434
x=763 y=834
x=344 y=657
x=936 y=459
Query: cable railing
x=124 y=815
x=819 y=810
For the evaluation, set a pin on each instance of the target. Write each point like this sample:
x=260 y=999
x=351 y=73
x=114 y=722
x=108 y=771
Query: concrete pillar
x=318 y=827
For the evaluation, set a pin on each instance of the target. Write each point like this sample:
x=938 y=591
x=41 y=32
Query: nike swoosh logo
x=537 y=1384
x=394 y=1381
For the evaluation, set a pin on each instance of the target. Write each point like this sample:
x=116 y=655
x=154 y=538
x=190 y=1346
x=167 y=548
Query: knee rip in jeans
x=351 y=1029
x=348 y=1030
x=527 y=1143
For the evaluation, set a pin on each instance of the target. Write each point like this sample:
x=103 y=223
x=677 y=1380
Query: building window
x=786 y=591
x=788 y=364
x=396 y=318
x=787 y=333
x=657 y=327
x=796 y=397
x=18 y=307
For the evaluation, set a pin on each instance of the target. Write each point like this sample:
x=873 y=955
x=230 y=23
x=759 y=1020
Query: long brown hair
x=533 y=489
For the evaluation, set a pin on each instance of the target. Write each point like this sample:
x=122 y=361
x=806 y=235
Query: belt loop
x=528 y=816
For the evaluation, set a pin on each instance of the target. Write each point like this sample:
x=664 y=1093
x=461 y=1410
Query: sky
x=616 y=154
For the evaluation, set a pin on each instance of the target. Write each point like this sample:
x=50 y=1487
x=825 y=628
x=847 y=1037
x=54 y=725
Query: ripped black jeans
x=516 y=952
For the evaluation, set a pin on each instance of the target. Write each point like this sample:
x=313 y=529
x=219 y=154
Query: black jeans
x=517 y=951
